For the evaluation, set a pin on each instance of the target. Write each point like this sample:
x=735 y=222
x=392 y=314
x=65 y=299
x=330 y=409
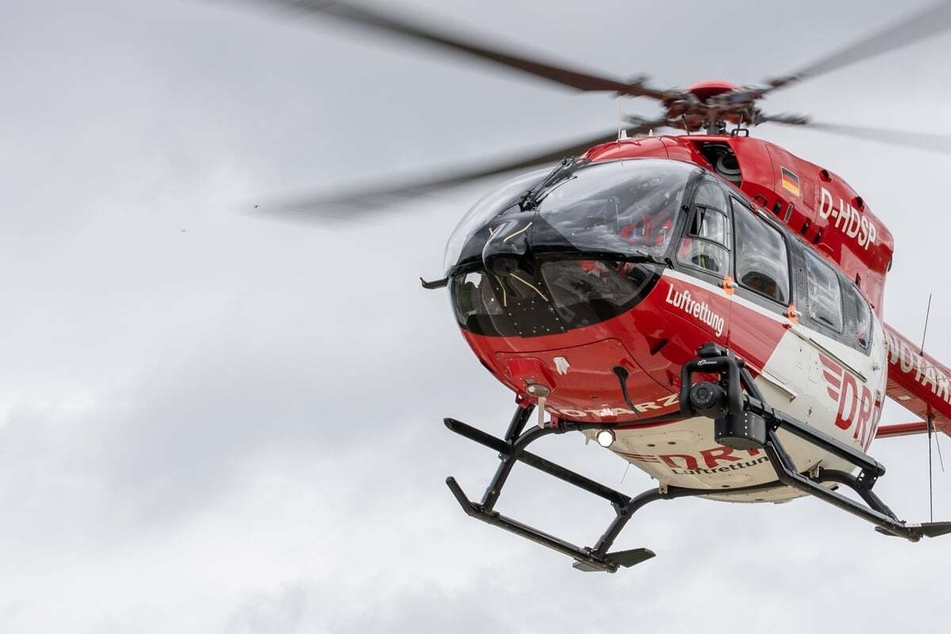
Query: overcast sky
x=213 y=422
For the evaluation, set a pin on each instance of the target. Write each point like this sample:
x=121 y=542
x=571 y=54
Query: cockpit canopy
x=551 y=252
x=626 y=209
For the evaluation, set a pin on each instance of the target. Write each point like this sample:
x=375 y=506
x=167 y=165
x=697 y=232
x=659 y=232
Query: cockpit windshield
x=622 y=207
x=626 y=208
x=497 y=202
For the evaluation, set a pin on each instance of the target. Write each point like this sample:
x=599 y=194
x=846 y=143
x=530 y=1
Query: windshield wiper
x=562 y=171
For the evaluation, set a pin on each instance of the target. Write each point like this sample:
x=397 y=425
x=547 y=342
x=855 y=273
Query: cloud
x=210 y=422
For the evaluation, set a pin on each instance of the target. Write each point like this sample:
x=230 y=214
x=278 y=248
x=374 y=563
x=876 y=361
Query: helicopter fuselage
x=813 y=377
x=823 y=362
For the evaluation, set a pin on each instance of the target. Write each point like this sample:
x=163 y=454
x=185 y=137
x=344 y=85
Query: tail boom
x=917 y=382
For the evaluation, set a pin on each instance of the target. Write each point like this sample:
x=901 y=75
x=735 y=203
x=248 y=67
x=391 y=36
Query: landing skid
x=513 y=449
x=742 y=420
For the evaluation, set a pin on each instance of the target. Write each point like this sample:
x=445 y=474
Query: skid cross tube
x=513 y=450
x=542 y=464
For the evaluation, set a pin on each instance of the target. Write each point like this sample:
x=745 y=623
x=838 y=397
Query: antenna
x=937 y=443
x=930 y=468
x=925 y=333
x=921 y=352
x=620 y=122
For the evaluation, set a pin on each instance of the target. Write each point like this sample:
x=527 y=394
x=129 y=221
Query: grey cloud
x=213 y=422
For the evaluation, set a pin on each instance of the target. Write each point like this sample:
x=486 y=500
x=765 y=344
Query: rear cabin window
x=858 y=317
x=706 y=243
x=762 y=261
x=823 y=293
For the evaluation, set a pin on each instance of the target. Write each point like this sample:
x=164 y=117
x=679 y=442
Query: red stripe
x=901 y=429
x=834 y=394
x=830 y=364
x=642 y=458
x=835 y=380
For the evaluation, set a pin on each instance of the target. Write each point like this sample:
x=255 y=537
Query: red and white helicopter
x=706 y=306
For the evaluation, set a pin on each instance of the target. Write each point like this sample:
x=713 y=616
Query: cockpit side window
x=708 y=238
x=858 y=317
x=762 y=260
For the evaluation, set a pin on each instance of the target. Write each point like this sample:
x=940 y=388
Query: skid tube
x=512 y=449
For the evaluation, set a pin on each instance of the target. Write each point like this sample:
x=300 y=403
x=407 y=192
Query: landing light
x=605 y=438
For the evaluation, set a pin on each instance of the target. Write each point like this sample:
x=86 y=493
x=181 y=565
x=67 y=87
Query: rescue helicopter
x=704 y=305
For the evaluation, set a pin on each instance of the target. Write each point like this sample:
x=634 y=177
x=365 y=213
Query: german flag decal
x=790 y=181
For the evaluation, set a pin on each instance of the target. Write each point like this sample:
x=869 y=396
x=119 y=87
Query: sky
x=214 y=422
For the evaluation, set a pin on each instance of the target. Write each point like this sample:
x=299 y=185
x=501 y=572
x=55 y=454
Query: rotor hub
x=703 y=90
x=711 y=104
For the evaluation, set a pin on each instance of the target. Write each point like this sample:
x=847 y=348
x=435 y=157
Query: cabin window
x=706 y=243
x=762 y=261
x=858 y=318
x=824 y=295
x=476 y=307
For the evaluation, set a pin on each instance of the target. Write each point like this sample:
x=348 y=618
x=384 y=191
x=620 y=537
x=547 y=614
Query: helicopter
x=704 y=305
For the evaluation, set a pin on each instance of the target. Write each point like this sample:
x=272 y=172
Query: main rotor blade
x=929 y=22
x=410 y=28
x=357 y=201
x=918 y=140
